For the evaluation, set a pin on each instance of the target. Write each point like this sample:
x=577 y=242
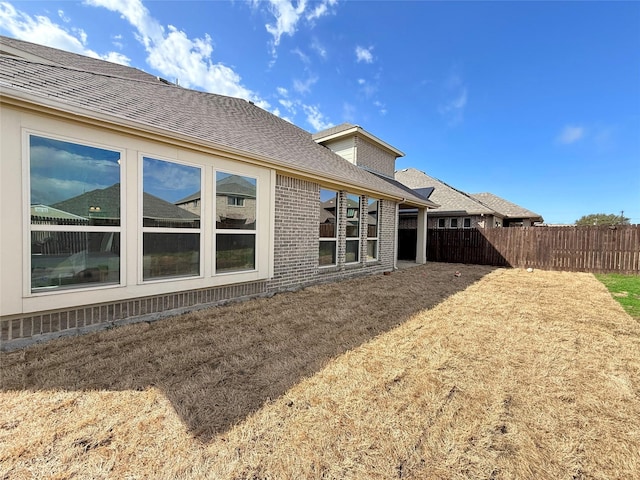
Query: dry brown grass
x=493 y=374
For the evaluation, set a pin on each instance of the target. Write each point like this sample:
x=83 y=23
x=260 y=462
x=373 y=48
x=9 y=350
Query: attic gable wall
x=374 y=158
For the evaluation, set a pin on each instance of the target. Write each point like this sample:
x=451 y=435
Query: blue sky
x=537 y=102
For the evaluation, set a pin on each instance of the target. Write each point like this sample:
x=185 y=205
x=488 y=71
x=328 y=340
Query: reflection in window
x=170 y=255
x=373 y=216
x=235 y=252
x=171 y=204
x=328 y=227
x=74 y=259
x=235 y=223
x=78 y=187
x=353 y=229
x=235 y=202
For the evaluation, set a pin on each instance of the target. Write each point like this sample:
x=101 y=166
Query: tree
x=603 y=219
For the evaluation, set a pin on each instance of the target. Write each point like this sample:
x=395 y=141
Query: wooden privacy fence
x=598 y=249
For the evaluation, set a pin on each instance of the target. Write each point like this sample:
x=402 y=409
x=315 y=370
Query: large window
x=235 y=223
x=328 y=228
x=353 y=229
x=75 y=205
x=170 y=219
x=373 y=222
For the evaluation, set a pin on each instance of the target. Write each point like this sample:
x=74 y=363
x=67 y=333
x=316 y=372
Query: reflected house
x=128 y=214
x=235 y=202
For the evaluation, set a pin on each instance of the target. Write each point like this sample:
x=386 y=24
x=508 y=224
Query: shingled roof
x=215 y=121
x=450 y=199
x=506 y=208
x=54 y=56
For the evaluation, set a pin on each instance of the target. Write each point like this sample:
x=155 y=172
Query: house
x=125 y=197
x=455 y=209
x=512 y=215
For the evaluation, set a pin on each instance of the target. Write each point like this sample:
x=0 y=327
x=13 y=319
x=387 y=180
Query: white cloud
x=315 y=118
x=288 y=14
x=305 y=58
x=364 y=54
x=570 y=134
x=282 y=91
x=287 y=17
x=177 y=56
x=319 y=48
x=456 y=93
x=303 y=87
x=40 y=29
x=382 y=108
x=63 y=17
x=321 y=9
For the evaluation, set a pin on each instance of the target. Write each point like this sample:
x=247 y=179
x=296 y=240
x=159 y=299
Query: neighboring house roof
x=214 y=121
x=349 y=129
x=235 y=185
x=505 y=207
x=47 y=212
x=450 y=199
x=108 y=201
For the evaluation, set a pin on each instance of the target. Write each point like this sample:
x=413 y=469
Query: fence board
x=597 y=249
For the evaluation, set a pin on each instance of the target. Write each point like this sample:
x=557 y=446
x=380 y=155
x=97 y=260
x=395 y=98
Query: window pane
x=454 y=223
x=235 y=252
x=73 y=184
x=467 y=223
x=328 y=204
x=235 y=202
x=372 y=249
x=170 y=255
x=327 y=253
x=353 y=216
x=171 y=196
x=372 y=230
x=60 y=259
x=353 y=254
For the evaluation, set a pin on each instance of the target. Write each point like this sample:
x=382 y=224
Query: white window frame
x=442 y=223
x=28 y=228
x=333 y=239
x=142 y=229
x=451 y=221
x=359 y=237
x=465 y=221
x=376 y=257
x=229 y=231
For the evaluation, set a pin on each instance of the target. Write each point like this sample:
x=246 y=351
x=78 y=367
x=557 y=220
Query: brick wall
x=296 y=250
x=296 y=232
x=18 y=331
x=374 y=158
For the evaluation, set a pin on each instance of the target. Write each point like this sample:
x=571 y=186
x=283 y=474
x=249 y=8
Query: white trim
x=27 y=228
x=142 y=229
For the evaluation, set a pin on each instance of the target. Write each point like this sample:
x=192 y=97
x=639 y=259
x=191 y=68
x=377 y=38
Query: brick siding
x=374 y=158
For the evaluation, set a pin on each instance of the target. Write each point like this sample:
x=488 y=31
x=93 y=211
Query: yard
x=489 y=374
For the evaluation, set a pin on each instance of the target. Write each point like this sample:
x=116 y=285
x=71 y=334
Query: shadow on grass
x=218 y=366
